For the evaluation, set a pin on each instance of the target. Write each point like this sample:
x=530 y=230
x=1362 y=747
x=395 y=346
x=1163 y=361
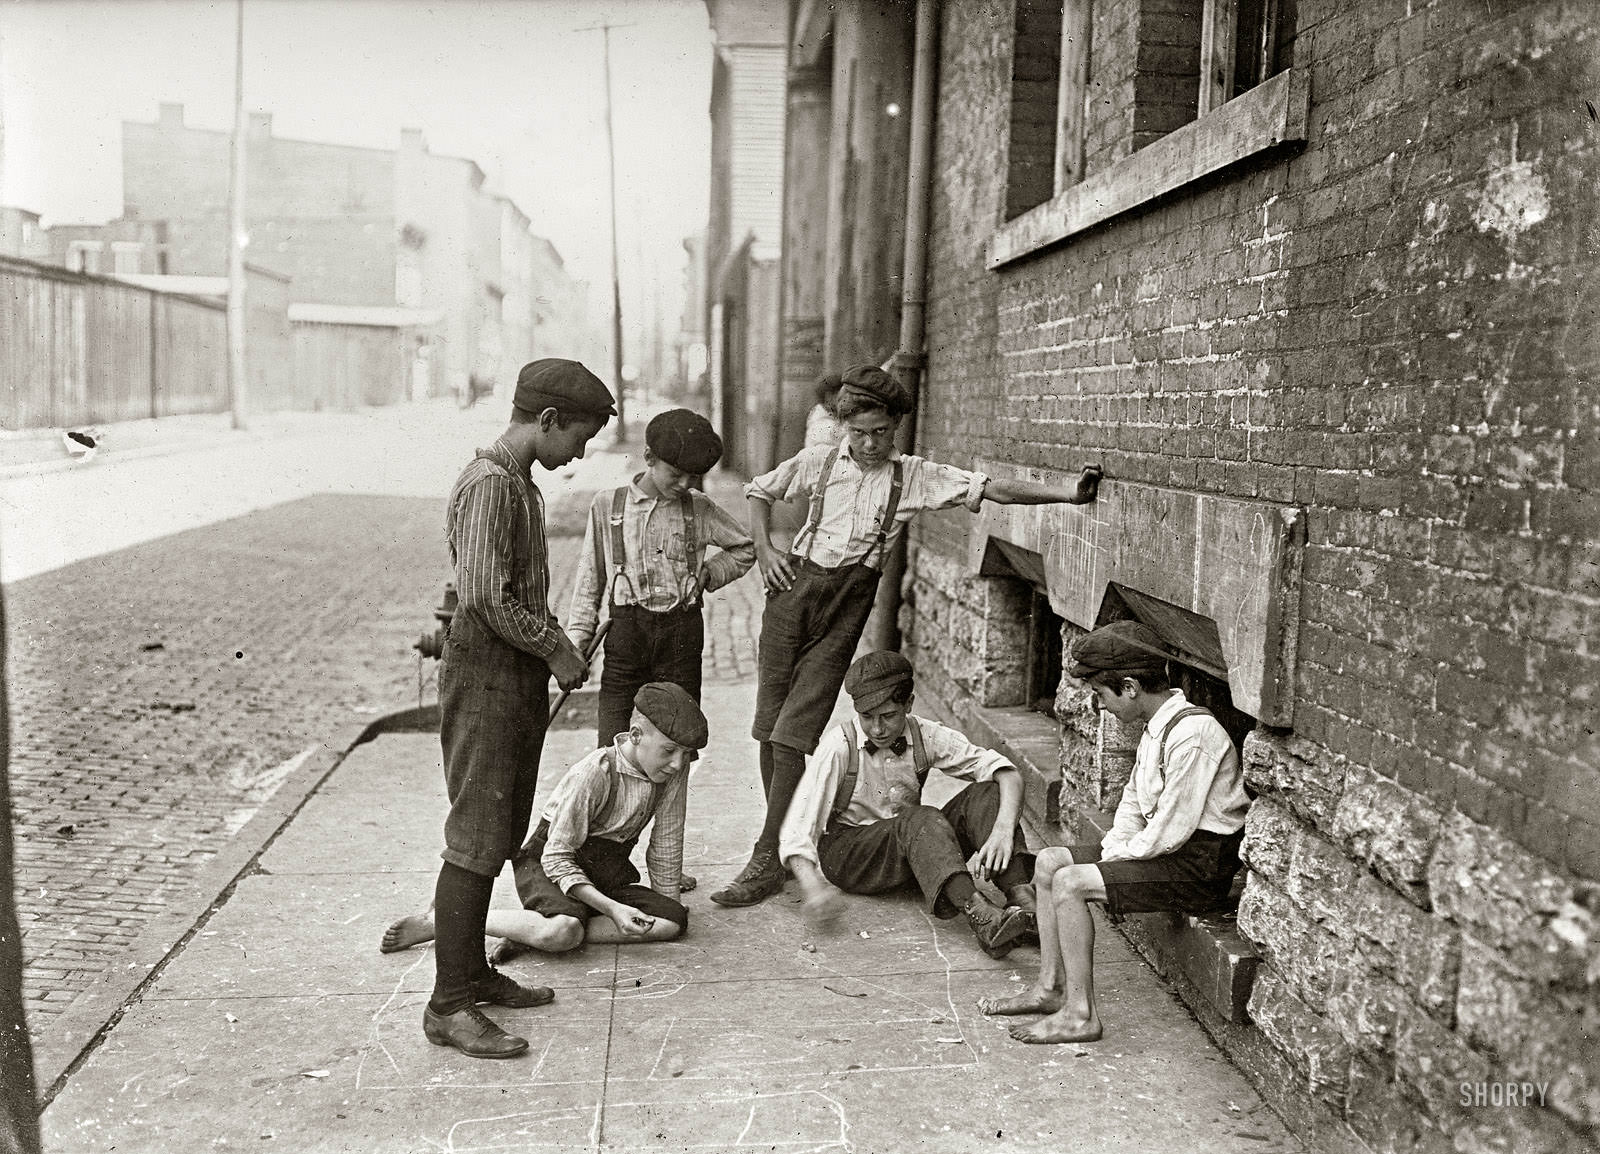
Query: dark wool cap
x=872 y=680
x=685 y=440
x=554 y=383
x=871 y=384
x=1124 y=647
x=670 y=709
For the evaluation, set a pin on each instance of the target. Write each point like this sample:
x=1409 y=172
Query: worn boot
x=1023 y=897
x=997 y=929
x=761 y=877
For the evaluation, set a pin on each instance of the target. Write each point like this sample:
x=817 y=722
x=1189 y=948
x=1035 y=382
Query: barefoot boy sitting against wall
x=574 y=876
x=1174 y=844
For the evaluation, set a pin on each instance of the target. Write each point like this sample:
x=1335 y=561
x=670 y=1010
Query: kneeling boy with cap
x=578 y=883
x=858 y=823
x=1174 y=844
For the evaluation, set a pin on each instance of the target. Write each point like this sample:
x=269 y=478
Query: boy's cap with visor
x=568 y=387
x=1124 y=647
x=684 y=439
x=871 y=680
x=871 y=384
x=668 y=707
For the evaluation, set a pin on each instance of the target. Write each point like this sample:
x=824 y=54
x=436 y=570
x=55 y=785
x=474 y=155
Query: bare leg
x=531 y=930
x=1044 y=996
x=605 y=931
x=1077 y=1019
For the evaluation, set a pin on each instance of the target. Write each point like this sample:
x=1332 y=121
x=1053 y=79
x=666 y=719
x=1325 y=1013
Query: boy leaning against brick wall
x=861 y=492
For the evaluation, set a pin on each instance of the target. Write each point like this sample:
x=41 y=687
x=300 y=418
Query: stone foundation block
x=1322 y=880
x=1388 y=827
x=1363 y=1005
x=1312 y=1046
x=1434 y=1061
x=1389 y=1119
x=1270 y=832
x=1304 y=955
x=1419 y=951
x=1509 y=899
x=1537 y=1034
x=1303 y=776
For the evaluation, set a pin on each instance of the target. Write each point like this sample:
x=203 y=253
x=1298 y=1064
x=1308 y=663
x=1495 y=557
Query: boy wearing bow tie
x=857 y=822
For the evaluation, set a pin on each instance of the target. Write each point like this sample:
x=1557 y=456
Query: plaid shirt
x=584 y=805
x=494 y=522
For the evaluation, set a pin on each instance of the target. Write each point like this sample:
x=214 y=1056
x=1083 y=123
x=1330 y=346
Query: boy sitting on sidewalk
x=820 y=588
x=1174 y=844
x=574 y=876
x=857 y=822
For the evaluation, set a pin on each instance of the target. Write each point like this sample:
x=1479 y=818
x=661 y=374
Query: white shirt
x=856 y=498
x=1203 y=787
x=886 y=782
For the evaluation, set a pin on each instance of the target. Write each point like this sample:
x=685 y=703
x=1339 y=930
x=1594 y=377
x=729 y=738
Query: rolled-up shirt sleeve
x=589 y=582
x=951 y=753
x=941 y=486
x=484 y=568
x=736 y=552
x=808 y=813
x=569 y=827
x=789 y=479
x=664 y=856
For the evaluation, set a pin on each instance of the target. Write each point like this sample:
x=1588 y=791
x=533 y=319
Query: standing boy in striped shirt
x=820 y=590
x=503 y=648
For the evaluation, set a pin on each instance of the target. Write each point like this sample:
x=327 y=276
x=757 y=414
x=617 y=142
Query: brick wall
x=1392 y=329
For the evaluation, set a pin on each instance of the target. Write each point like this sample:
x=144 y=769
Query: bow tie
x=896 y=747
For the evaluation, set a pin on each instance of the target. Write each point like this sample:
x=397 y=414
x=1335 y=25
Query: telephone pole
x=238 y=384
x=616 y=280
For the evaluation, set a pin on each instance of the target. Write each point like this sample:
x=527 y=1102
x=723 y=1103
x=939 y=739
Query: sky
x=515 y=85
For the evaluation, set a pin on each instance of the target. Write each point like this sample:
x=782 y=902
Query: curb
x=80 y=1030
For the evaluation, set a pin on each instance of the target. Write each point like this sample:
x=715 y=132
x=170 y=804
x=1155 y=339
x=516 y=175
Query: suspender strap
x=619 y=553
x=852 y=766
x=1189 y=711
x=691 y=550
x=896 y=484
x=814 y=514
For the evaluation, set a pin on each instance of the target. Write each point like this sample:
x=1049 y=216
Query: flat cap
x=1120 y=647
x=684 y=439
x=554 y=383
x=670 y=709
x=870 y=384
x=872 y=680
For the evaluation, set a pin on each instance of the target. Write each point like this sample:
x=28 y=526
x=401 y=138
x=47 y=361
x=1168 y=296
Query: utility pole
x=238 y=384
x=616 y=280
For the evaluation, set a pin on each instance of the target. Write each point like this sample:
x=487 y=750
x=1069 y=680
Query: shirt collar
x=636 y=491
x=624 y=763
x=500 y=453
x=1159 y=719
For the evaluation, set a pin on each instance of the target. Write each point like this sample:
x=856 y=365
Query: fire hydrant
x=432 y=644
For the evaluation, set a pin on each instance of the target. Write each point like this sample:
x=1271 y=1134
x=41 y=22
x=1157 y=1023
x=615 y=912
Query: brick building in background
x=398 y=254
x=1314 y=281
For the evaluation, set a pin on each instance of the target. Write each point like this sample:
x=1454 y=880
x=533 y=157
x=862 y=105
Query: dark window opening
x=1042 y=662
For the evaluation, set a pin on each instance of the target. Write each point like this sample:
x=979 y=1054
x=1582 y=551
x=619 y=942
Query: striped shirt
x=494 y=522
x=655 y=572
x=856 y=499
x=615 y=804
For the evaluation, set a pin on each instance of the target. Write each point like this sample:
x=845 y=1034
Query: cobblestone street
x=162 y=692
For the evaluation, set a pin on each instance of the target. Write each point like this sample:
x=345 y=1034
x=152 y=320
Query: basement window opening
x=1042 y=666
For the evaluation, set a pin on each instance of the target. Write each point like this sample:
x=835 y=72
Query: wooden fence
x=78 y=349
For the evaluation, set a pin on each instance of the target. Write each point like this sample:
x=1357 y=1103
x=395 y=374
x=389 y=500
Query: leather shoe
x=497 y=989
x=1023 y=897
x=996 y=929
x=761 y=877
x=470 y=1031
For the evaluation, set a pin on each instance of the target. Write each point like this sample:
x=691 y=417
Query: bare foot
x=1058 y=1027
x=407 y=932
x=505 y=950
x=1031 y=1001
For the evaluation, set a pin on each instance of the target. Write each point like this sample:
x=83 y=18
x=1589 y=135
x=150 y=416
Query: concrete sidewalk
x=279 y=1025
